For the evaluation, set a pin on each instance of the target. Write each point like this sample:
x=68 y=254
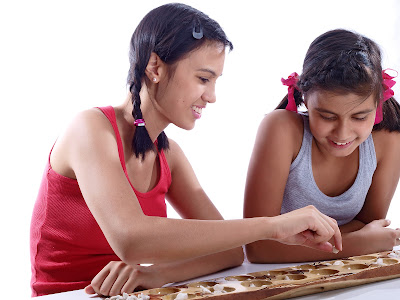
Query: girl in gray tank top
x=301 y=189
x=341 y=156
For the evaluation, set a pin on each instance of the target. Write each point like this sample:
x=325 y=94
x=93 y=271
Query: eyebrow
x=208 y=71
x=365 y=111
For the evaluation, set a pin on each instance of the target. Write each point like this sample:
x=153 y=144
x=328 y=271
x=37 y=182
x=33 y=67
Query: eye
x=360 y=118
x=328 y=118
x=204 y=80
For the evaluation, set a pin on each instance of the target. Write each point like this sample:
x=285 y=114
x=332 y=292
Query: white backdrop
x=60 y=57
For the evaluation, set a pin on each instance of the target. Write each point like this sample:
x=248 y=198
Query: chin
x=186 y=126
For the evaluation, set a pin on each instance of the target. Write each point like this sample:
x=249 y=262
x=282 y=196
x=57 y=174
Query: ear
x=155 y=69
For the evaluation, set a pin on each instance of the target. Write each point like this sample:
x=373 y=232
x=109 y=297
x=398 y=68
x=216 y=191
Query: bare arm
x=136 y=238
x=90 y=151
x=386 y=176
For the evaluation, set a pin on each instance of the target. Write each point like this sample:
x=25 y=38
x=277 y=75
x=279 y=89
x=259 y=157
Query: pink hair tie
x=291 y=82
x=388 y=93
x=139 y=122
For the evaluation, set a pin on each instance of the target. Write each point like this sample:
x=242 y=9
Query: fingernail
x=334 y=250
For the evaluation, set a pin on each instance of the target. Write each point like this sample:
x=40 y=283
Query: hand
x=308 y=227
x=379 y=236
x=118 y=277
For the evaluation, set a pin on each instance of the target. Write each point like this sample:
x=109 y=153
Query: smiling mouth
x=341 y=144
x=197 y=109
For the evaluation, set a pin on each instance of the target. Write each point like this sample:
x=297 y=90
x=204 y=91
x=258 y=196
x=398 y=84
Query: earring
x=154 y=79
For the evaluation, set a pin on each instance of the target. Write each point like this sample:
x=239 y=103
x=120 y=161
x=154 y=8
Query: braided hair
x=342 y=61
x=171 y=31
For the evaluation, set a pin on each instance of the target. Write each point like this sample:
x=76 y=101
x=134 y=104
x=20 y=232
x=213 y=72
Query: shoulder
x=281 y=120
x=92 y=117
x=174 y=154
x=387 y=144
x=89 y=127
x=283 y=128
x=86 y=132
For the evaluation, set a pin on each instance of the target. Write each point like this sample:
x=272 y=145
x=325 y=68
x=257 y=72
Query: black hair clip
x=197 y=34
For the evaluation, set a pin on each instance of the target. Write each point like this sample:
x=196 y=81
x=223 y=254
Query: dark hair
x=346 y=62
x=171 y=31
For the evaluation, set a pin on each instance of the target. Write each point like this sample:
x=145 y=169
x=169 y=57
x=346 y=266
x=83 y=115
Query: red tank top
x=67 y=245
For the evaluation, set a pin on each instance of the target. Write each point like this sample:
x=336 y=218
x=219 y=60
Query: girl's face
x=340 y=122
x=182 y=98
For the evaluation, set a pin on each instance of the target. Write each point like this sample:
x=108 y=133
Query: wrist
x=357 y=241
x=162 y=276
x=268 y=229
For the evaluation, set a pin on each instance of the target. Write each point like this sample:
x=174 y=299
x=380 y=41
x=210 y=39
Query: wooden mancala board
x=287 y=282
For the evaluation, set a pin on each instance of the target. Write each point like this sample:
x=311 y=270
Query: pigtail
x=162 y=141
x=141 y=142
x=298 y=98
x=391 y=116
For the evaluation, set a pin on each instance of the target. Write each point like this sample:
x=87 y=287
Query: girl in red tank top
x=100 y=212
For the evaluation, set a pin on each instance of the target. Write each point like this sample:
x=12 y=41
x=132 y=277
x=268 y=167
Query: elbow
x=252 y=254
x=135 y=254
x=132 y=247
x=257 y=253
x=237 y=257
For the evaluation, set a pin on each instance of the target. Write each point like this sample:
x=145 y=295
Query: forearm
x=160 y=240
x=352 y=226
x=196 y=267
x=274 y=252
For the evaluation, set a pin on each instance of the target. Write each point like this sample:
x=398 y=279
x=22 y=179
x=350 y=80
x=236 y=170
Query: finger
x=108 y=282
x=324 y=246
x=308 y=234
x=382 y=222
x=322 y=232
x=130 y=285
x=99 y=279
x=310 y=242
x=119 y=282
x=90 y=290
x=337 y=237
x=334 y=232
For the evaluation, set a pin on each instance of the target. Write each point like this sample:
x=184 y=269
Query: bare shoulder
x=281 y=120
x=92 y=117
x=283 y=127
x=387 y=144
x=87 y=125
x=88 y=130
x=174 y=154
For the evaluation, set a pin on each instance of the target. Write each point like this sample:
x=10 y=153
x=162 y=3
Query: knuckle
x=135 y=272
x=119 y=265
x=311 y=207
x=130 y=268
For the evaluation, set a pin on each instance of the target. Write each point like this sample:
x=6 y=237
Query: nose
x=209 y=95
x=342 y=131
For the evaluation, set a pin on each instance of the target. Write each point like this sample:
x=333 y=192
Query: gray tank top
x=301 y=189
